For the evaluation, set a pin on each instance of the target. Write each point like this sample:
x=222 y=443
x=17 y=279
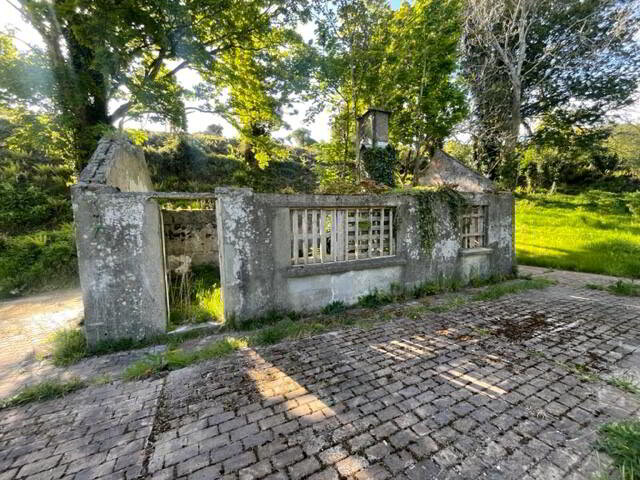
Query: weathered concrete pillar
x=245 y=243
x=121 y=264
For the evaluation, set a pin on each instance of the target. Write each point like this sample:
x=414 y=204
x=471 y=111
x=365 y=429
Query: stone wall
x=192 y=233
x=446 y=170
x=255 y=244
x=118 y=164
x=119 y=242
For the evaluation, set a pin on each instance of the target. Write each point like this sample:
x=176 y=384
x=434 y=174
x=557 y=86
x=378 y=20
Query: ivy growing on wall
x=379 y=163
x=427 y=199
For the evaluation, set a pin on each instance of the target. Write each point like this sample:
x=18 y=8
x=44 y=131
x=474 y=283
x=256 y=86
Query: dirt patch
x=523 y=328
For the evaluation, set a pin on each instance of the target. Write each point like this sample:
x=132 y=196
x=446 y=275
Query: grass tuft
x=69 y=346
x=621 y=441
x=626 y=384
x=176 y=359
x=621 y=288
x=43 y=391
x=496 y=291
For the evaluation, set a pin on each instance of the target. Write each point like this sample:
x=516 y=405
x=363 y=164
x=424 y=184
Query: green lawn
x=590 y=232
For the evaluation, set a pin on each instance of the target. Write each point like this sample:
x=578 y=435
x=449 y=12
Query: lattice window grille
x=326 y=235
x=474 y=223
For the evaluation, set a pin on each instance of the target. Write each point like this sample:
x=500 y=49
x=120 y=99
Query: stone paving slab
x=479 y=392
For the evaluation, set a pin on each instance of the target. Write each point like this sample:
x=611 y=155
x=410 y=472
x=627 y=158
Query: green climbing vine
x=427 y=199
x=380 y=163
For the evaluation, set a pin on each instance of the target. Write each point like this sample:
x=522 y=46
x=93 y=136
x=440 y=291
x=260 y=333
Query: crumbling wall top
x=446 y=170
x=119 y=164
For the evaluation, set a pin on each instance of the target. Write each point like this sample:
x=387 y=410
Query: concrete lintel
x=476 y=251
x=333 y=201
x=338 y=267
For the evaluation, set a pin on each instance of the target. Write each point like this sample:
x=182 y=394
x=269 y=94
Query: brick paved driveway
x=483 y=391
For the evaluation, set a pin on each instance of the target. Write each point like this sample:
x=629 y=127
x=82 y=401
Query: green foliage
x=334 y=308
x=626 y=384
x=37 y=261
x=43 y=391
x=69 y=346
x=497 y=291
x=98 y=54
x=624 y=142
x=621 y=441
x=36 y=170
x=176 y=358
x=285 y=328
x=460 y=151
x=417 y=81
x=633 y=203
x=506 y=62
x=561 y=153
x=202 y=162
x=196 y=297
x=380 y=164
x=590 y=232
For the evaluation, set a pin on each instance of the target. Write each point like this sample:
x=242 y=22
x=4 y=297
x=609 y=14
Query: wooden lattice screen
x=326 y=235
x=474 y=221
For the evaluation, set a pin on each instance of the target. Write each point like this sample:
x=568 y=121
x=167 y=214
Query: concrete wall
x=119 y=242
x=254 y=242
x=118 y=164
x=446 y=170
x=192 y=233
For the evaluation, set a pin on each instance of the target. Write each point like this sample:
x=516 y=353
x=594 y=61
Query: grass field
x=593 y=231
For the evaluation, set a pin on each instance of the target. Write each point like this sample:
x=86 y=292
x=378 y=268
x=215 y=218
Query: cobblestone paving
x=484 y=391
x=26 y=325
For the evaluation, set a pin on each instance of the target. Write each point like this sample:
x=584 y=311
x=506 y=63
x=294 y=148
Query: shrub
x=37 y=260
x=334 y=308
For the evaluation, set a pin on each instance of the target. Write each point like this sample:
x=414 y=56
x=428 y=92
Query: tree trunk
x=82 y=96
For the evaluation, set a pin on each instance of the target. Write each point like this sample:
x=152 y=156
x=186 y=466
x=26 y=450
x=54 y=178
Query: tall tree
x=526 y=58
x=113 y=59
x=417 y=78
x=351 y=40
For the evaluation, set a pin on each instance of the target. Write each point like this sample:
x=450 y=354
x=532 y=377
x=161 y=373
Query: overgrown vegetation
x=428 y=199
x=69 y=346
x=37 y=249
x=43 y=391
x=496 y=291
x=380 y=164
x=202 y=162
x=195 y=297
x=174 y=359
x=621 y=441
x=622 y=288
x=593 y=231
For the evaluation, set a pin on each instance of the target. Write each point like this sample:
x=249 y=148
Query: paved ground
x=483 y=391
x=26 y=325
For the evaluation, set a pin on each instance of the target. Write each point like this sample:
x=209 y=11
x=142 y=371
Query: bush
x=37 y=260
